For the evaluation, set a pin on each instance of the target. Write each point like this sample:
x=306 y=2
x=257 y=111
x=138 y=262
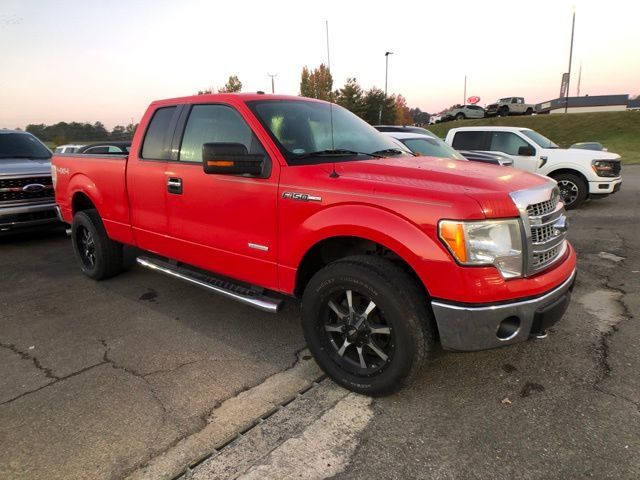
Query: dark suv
x=26 y=189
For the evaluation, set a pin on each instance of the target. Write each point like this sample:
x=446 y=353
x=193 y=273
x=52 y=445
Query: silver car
x=26 y=189
x=464 y=112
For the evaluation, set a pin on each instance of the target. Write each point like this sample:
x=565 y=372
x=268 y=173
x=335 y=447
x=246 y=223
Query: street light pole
x=386 y=76
x=272 y=75
x=573 y=26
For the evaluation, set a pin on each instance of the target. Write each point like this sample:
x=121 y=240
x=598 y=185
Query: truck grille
x=545 y=226
x=37 y=188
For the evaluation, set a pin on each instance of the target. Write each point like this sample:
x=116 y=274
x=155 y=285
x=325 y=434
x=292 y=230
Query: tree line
x=63 y=132
x=371 y=105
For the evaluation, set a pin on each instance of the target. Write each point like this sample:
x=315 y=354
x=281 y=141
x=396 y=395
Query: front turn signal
x=452 y=233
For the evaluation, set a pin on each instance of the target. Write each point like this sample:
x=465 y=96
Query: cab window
x=507 y=142
x=215 y=124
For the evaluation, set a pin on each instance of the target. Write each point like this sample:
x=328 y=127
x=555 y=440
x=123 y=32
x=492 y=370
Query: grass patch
x=617 y=131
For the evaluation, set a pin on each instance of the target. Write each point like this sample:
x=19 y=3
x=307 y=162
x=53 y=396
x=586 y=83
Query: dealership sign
x=473 y=100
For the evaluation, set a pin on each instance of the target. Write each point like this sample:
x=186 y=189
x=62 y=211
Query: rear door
x=222 y=223
x=470 y=140
x=147 y=180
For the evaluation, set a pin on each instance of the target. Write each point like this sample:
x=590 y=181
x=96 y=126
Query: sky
x=90 y=60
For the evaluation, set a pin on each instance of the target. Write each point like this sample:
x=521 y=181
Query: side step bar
x=223 y=287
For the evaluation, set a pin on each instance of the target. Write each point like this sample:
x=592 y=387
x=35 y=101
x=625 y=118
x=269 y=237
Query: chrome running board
x=225 y=288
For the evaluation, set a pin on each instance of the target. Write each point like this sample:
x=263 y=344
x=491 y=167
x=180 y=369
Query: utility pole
x=464 y=99
x=272 y=75
x=573 y=26
x=579 y=78
x=386 y=76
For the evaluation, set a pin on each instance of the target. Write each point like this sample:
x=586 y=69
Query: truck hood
x=428 y=177
x=25 y=166
x=579 y=154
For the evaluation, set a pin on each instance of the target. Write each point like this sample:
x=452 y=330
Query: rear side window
x=472 y=140
x=157 y=140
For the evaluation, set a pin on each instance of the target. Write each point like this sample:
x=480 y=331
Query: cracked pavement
x=128 y=377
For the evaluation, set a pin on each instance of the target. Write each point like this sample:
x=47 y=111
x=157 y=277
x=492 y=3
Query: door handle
x=174 y=185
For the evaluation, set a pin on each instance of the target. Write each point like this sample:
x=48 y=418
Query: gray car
x=26 y=189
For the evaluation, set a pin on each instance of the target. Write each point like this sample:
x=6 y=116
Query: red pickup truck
x=259 y=197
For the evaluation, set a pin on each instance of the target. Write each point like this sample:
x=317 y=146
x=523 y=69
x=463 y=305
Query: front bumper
x=605 y=186
x=25 y=216
x=480 y=327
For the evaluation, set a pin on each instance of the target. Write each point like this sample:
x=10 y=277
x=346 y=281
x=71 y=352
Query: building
x=596 y=103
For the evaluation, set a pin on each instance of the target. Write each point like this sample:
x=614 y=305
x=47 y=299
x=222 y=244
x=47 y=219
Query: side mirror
x=230 y=159
x=527 y=151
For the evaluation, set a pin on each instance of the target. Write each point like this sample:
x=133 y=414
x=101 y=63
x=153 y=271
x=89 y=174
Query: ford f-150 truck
x=580 y=174
x=259 y=197
x=26 y=190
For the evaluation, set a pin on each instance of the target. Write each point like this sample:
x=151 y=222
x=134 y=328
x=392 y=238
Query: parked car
x=26 y=190
x=433 y=119
x=113 y=148
x=510 y=106
x=580 y=173
x=464 y=112
x=403 y=128
x=388 y=252
x=67 y=148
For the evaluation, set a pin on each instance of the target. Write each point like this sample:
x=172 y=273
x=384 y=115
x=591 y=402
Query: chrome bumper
x=467 y=328
x=29 y=215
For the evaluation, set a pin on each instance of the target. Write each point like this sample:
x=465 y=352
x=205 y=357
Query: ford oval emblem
x=33 y=188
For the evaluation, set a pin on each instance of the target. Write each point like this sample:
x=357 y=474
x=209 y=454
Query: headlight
x=487 y=242
x=606 y=168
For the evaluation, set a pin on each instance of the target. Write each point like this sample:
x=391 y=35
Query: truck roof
x=247 y=97
x=490 y=128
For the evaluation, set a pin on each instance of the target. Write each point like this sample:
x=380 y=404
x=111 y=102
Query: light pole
x=272 y=75
x=573 y=26
x=386 y=76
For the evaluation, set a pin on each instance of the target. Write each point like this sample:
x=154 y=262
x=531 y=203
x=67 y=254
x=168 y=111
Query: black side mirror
x=527 y=151
x=230 y=159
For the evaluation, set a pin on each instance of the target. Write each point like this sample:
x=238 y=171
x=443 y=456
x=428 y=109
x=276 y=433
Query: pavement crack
x=54 y=382
x=27 y=356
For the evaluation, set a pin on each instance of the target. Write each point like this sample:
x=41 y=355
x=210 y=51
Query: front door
x=510 y=143
x=222 y=223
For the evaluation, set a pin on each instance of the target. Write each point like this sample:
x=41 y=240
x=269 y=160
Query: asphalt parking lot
x=142 y=376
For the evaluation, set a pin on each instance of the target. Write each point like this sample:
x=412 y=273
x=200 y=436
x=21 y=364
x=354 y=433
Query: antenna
x=333 y=173
x=272 y=75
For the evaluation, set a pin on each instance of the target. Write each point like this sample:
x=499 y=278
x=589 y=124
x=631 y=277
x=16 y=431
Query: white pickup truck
x=580 y=174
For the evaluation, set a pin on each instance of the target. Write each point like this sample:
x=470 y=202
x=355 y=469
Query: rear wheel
x=573 y=189
x=367 y=324
x=99 y=256
x=529 y=111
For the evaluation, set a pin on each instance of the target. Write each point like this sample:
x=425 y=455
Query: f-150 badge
x=303 y=197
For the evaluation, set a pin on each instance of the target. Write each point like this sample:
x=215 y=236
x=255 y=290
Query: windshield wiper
x=338 y=152
x=390 y=151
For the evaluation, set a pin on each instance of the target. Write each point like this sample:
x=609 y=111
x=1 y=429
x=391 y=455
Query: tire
x=573 y=189
x=529 y=111
x=99 y=256
x=504 y=112
x=371 y=363
x=460 y=116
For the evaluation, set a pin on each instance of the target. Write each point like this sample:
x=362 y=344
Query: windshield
x=431 y=147
x=22 y=145
x=541 y=140
x=301 y=128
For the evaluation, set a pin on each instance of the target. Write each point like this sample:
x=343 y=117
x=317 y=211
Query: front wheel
x=573 y=189
x=460 y=116
x=367 y=324
x=99 y=256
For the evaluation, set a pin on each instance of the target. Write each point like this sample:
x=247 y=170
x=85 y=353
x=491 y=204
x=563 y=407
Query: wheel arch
x=571 y=171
